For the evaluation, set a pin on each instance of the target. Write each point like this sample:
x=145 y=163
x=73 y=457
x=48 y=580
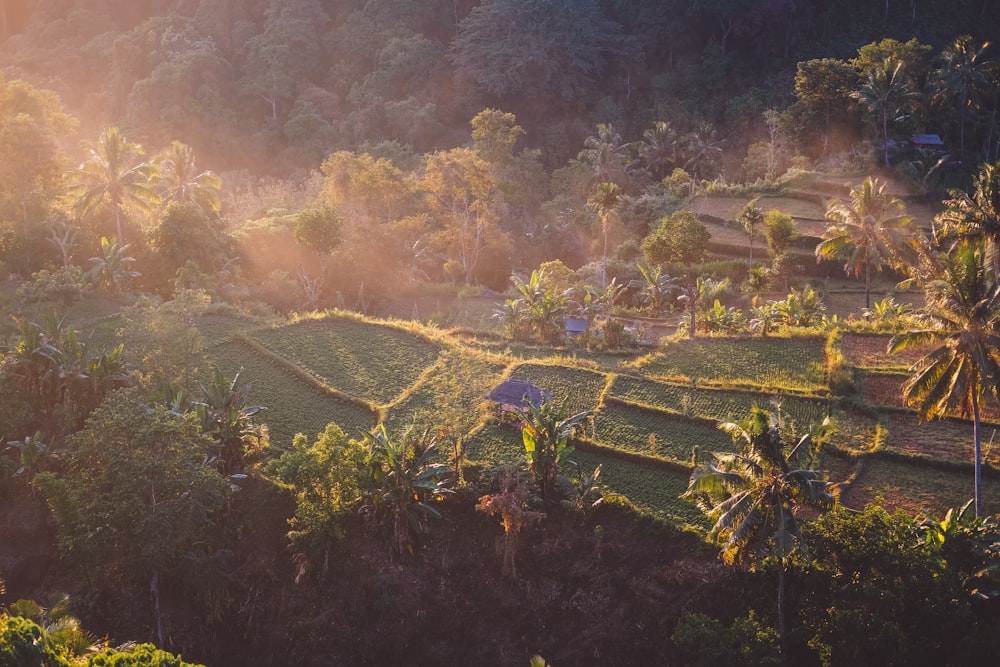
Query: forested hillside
x=275 y=87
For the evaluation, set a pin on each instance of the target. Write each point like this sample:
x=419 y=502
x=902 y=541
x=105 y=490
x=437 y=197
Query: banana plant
x=546 y=431
x=404 y=480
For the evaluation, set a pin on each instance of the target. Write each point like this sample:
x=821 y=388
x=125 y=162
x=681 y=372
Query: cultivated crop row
x=723 y=405
x=915 y=488
x=293 y=406
x=582 y=387
x=369 y=361
x=450 y=394
x=653 y=433
x=768 y=363
x=653 y=488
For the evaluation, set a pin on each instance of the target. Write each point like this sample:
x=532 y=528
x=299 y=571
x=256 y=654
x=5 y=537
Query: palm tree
x=751 y=217
x=753 y=494
x=961 y=80
x=703 y=149
x=114 y=176
x=976 y=216
x=178 y=179
x=885 y=94
x=605 y=153
x=960 y=320
x=872 y=231
x=658 y=148
x=605 y=201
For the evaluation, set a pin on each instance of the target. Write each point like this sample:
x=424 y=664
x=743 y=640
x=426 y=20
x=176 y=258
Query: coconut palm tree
x=605 y=153
x=960 y=320
x=178 y=179
x=658 y=148
x=885 y=94
x=605 y=201
x=976 y=215
x=753 y=494
x=961 y=80
x=114 y=176
x=703 y=149
x=750 y=218
x=872 y=230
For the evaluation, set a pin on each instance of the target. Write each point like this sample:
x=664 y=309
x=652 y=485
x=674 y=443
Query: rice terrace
x=651 y=410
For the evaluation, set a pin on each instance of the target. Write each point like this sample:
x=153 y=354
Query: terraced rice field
x=767 y=363
x=655 y=411
x=582 y=387
x=870 y=351
x=366 y=360
x=720 y=404
x=941 y=438
x=293 y=406
x=915 y=488
x=643 y=431
x=457 y=383
x=651 y=488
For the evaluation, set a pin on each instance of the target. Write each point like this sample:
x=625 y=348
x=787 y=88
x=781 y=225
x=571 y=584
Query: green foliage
x=23 y=643
x=326 y=477
x=681 y=238
x=402 y=480
x=225 y=415
x=505 y=46
x=546 y=430
x=143 y=655
x=706 y=642
x=868 y=566
x=801 y=308
x=185 y=233
x=752 y=495
x=113 y=267
x=138 y=495
x=959 y=321
x=65 y=285
x=62 y=377
x=319 y=229
x=779 y=230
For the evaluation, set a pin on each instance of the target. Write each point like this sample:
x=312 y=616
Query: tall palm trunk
x=868 y=281
x=977 y=437
x=154 y=593
x=782 y=621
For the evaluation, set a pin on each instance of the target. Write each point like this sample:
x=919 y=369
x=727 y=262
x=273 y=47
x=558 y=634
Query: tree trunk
x=782 y=621
x=868 y=283
x=977 y=436
x=885 y=136
x=154 y=593
x=118 y=225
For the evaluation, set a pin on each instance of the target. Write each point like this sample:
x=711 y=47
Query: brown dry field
x=916 y=489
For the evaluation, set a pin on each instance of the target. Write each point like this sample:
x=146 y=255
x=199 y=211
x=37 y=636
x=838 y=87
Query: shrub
x=706 y=642
x=65 y=285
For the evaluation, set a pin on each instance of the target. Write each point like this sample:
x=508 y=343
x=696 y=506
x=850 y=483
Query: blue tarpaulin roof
x=517 y=393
